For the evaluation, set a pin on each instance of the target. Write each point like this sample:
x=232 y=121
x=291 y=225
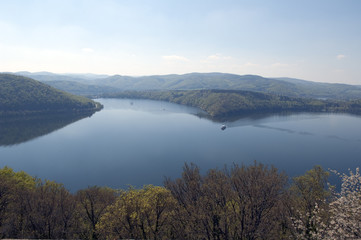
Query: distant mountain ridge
x=22 y=95
x=99 y=84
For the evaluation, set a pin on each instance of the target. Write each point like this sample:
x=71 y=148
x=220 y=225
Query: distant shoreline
x=222 y=104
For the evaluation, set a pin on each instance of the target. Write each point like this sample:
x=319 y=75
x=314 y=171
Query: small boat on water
x=223 y=127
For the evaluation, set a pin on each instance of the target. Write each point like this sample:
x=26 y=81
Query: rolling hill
x=99 y=84
x=22 y=95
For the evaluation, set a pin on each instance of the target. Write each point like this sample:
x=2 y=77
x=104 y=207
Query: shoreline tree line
x=223 y=104
x=240 y=202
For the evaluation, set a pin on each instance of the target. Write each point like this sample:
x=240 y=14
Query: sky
x=316 y=40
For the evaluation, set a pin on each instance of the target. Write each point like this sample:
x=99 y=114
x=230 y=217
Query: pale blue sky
x=317 y=40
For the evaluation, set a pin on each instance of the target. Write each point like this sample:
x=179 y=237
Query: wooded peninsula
x=220 y=104
x=23 y=96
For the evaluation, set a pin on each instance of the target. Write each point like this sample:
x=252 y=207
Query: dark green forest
x=21 y=95
x=241 y=202
x=228 y=103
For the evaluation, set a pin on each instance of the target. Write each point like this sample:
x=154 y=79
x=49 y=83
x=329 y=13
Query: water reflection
x=286 y=130
x=16 y=130
x=250 y=118
x=138 y=142
x=263 y=121
x=151 y=106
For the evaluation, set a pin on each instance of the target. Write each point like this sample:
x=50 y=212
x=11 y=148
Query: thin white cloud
x=175 y=58
x=341 y=56
x=214 y=57
x=217 y=56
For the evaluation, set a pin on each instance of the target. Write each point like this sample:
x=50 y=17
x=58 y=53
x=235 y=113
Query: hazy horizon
x=100 y=75
x=311 y=40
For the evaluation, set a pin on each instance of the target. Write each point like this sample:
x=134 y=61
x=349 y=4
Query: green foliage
x=227 y=103
x=197 y=81
x=21 y=95
x=78 y=88
x=15 y=190
x=95 y=85
x=245 y=202
x=310 y=188
x=309 y=192
x=139 y=214
x=49 y=209
x=93 y=202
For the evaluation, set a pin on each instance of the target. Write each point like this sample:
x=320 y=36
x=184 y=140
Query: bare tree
x=188 y=193
x=259 y=191
x=93 y=201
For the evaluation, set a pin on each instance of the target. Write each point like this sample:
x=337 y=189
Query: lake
x=138 y=142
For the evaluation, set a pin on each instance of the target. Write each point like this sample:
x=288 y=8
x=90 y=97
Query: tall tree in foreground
x=92 y=203
x=7 y=186
x=187 y=190
x=139 y=214
x=241 y=204
x=309 y=206
x=345 y=222
x=50 y=211
x=15 y=190
x=216 y=205
x=259 y=194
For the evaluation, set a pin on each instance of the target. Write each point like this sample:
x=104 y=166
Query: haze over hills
x=92 y=84
x=22 y=95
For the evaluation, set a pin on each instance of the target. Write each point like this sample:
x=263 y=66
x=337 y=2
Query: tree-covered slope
x=24 y=95
x=196 y=81
x=98 y=84
x=79 y=88
x=223 y=103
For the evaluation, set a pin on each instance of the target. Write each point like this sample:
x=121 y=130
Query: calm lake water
x=138 y=142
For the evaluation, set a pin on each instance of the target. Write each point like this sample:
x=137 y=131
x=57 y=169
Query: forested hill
x=88 y=84
x=197 y=81
x=23 y=95
x=227 y=103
